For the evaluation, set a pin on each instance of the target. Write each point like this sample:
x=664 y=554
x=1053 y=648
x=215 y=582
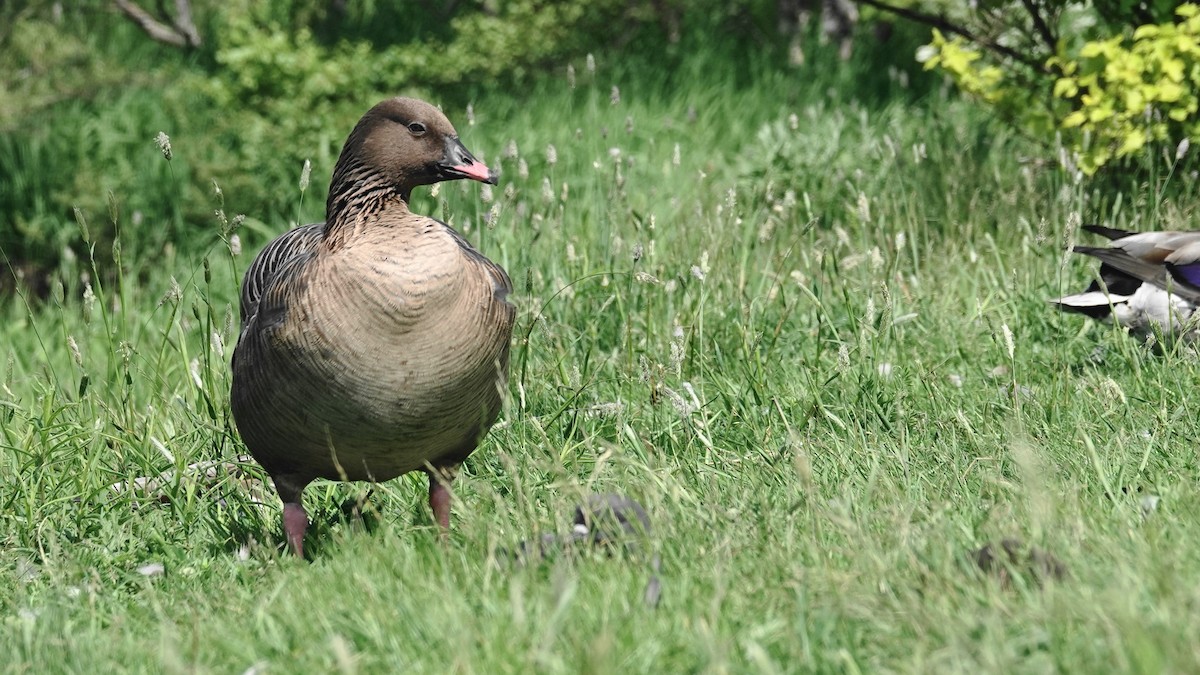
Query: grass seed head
x=194 y=370
x=163 y=141
x=864 y=208
x=218 y=345
x=89 y=303
x=76 y=356
x=305 y=174
x=174 y=293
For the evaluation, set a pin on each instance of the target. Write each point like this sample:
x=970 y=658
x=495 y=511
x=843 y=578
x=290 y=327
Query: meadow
x=804 y=325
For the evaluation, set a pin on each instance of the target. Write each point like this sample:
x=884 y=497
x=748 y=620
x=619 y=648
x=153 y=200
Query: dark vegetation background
x=250 y=90
x=84 y=90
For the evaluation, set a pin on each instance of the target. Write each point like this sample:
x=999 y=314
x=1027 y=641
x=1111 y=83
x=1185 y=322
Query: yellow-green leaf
x=1134 y=140
x=1065 y=87
x=1075 y=119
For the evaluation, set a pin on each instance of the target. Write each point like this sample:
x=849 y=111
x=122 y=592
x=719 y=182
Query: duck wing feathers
x=1169 y=260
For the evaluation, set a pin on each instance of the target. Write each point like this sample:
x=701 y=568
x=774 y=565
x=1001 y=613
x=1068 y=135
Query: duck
x=1149 y=282
x=375 y=343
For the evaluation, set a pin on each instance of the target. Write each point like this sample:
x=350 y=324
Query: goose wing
x=292 y=244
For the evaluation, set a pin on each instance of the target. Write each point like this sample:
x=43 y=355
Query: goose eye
x=417 y=129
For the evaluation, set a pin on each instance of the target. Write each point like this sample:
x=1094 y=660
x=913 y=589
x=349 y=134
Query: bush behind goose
x=375 y=343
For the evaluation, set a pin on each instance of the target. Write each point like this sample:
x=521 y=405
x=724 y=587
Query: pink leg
x=439 y=500
x=295 y=520
x=295 y=523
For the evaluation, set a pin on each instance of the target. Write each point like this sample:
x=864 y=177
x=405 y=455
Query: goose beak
x=459 y=163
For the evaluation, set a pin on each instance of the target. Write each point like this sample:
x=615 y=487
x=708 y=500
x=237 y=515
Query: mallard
x=1149 y=282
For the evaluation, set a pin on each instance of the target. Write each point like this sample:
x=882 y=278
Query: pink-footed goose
x=1149 y=281
x=375 y=343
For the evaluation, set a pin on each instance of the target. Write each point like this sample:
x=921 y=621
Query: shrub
x=1128 y=93
x=1110 y=88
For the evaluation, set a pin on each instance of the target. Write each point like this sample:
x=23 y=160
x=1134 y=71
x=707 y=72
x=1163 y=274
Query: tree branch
x=182 y=34
x=942 y=23
x=1039 y=23
x=183 y=22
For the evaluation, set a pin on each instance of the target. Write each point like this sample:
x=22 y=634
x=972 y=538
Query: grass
x=829 y=374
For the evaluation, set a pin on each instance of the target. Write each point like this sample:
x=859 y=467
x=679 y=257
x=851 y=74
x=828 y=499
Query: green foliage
x=78 y=112
x=1131 y=93
x=83 y=92
x=99 y=162
x=54 y=55
x=1125 y=94
x=1120 y=13
x=264 y=57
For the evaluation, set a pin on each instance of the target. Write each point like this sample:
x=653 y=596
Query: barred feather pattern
x=294 y=243
x=369 y=349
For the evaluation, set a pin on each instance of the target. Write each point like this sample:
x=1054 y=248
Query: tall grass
x=807 y=332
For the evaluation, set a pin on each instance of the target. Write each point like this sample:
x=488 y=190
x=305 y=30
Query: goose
x=1149 y=281
x=375 y=343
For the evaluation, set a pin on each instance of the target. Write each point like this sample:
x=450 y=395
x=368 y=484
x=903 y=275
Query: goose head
x=400 y=144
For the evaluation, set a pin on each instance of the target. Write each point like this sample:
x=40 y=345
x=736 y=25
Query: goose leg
x=295 y=524
x=439 y=496
x=295 y=520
